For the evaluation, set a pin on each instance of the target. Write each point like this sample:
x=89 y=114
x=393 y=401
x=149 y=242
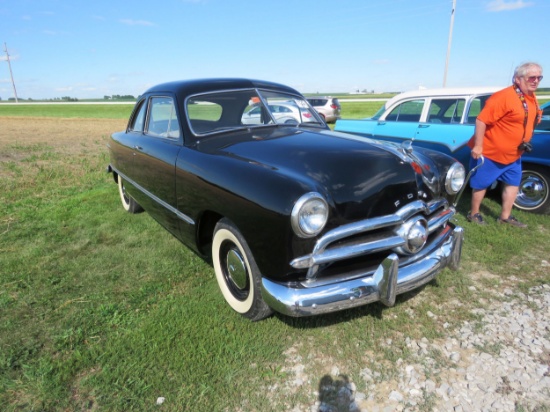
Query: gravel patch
x=501 y=363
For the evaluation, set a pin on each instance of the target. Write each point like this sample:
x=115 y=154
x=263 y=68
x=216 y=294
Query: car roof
x=185 y=88
x=444 y=91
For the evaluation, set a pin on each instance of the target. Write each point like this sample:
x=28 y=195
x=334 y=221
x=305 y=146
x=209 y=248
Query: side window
x=446 y=110
x=163 y=121
x=137 y=123
x=407 y=112
x=476 y=106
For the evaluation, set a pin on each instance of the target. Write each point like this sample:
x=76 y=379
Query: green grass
x=102 y=310
x=95 y=111
x=358 y=110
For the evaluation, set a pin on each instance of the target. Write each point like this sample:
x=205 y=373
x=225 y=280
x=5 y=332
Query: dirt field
x=54 y=132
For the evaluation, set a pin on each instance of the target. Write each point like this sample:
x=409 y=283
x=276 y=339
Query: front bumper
x=387 y=281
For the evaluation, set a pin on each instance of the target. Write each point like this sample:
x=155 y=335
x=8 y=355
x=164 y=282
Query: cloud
x=131 y=22
x=506 y=5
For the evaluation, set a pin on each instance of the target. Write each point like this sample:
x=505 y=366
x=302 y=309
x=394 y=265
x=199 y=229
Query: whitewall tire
x=128 y=203
x=236 y=271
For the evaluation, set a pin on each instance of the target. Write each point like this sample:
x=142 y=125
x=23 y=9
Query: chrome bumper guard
x=388 y=280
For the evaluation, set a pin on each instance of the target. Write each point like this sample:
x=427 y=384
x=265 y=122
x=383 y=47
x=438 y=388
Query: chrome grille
x=371 y=235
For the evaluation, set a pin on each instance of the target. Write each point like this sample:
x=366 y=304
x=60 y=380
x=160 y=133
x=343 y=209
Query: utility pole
x=449 y=44
x=11 y=74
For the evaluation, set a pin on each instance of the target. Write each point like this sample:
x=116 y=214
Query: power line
x=449 y=44
x=11 y=73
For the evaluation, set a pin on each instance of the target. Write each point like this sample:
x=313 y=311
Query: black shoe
x=512 y=221
x=476 y=218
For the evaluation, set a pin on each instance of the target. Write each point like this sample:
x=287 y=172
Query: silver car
x=282 y=112
x=328 y=107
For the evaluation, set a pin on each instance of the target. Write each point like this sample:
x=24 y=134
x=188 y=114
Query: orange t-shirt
x=504 y=116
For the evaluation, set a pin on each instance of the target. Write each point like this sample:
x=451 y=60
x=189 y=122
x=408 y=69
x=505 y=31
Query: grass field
x=122 y=111
x=101 y=310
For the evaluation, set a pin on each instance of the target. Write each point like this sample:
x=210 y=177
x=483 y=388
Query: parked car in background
x=444 y=120
x=283 y=112
x=295 y=218
x=328 y=107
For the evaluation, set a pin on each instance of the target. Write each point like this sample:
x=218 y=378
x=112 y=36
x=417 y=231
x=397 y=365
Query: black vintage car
x=295 y=218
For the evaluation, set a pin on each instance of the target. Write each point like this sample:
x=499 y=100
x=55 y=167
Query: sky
x=91 y=49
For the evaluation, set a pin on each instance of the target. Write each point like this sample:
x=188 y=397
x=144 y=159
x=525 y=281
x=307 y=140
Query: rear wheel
x=128 y=203
x=534 y=190
x=237 y=274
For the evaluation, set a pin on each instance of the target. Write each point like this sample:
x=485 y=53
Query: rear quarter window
x=137 y=122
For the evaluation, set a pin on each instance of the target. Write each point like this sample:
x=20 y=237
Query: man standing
x=502 y=134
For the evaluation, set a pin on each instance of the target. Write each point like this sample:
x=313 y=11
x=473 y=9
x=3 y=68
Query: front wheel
x=128 y=203
x=236 y=271
x=533 y=194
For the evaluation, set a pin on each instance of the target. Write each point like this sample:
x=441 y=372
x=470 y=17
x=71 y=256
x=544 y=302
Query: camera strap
x=526 y=110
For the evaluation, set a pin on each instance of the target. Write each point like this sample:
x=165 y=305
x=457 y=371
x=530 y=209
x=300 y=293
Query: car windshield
x=379 y=113
x=243 y=109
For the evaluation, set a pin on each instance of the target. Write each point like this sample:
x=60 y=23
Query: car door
x=156 y=151
x=401 y=123
x=449 y=125
x=443 y=131
x=123 y=144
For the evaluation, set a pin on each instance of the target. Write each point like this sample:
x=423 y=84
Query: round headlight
x=309 y=215
x=455 y=178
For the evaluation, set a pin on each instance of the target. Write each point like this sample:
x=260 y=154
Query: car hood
x=359 y=177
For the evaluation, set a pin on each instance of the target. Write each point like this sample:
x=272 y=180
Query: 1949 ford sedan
x=294 y=218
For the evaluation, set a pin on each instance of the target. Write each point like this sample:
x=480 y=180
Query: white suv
x=328 y=107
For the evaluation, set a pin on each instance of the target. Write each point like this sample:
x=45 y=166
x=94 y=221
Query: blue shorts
x=491 y=171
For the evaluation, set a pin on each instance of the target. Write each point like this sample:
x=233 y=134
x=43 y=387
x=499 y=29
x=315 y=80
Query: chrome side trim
x=167 y=206
x=387 y=281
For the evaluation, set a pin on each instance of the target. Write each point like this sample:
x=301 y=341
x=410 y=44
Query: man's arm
x=479 y=132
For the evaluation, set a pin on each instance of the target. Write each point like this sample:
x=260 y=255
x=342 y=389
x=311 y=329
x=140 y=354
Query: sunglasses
x=533 y=78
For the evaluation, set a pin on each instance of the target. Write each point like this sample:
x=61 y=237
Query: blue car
x=545 y=121
x=444 y=120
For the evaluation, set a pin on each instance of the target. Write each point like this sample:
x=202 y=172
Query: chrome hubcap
x=533 y=191
x=236 y=268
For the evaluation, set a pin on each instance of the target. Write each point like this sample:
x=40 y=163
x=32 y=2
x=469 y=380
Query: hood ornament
x=407 y=147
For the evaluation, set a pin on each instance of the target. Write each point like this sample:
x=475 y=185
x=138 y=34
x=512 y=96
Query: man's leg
x=509 y=194
x=477 y=198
